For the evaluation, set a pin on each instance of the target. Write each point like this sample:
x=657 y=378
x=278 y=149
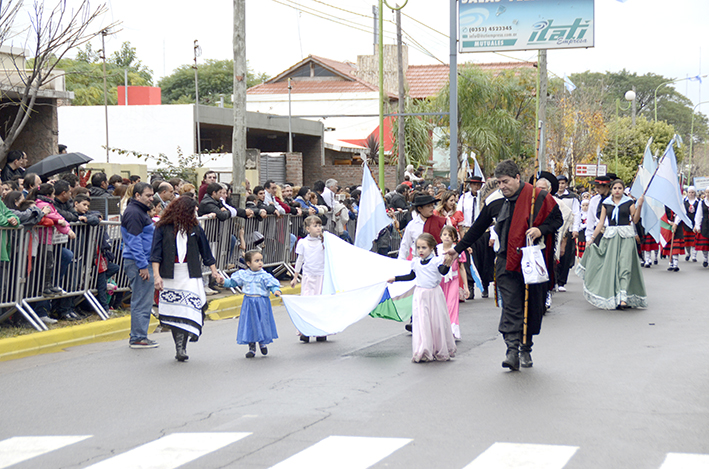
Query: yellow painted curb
x=230 y=306
x=58 y=339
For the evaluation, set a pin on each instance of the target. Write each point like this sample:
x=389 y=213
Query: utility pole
x=542 y=107
x=105 y=92
x=375 y=14
x=400 y=121
x=238 y=146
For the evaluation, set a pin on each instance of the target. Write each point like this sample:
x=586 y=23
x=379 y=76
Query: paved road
x=608 y=389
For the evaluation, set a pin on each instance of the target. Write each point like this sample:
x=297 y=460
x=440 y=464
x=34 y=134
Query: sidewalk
x=223 y=306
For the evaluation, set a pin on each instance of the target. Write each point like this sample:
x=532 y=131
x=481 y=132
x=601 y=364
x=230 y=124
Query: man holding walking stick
x=512 y=214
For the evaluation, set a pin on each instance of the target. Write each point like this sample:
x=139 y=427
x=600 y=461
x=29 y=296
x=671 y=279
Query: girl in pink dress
x=451 y=283
x=432 y=338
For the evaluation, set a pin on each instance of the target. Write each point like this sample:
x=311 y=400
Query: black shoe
x=686 y=258
x=694 y=260
x=252 y=351
x=676 y=269
x=525 y=359
x=671 y=268
x=321 y=339
x=511 y=361
x=409 y=327
x=655 y=262
x=264 y=350
x=485 y=293
x=705 y=264
x=304 y=339
x=471 y=297
x=648 y=265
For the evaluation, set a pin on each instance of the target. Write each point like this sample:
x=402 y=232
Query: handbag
x=534 y=268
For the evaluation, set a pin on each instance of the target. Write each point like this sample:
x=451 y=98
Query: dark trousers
x=566 y=261
x=511 y=288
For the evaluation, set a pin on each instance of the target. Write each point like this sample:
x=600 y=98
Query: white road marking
x=523 y=456
x=344 y=452
x=170 y=451
x=686 y=461
x=21 y=448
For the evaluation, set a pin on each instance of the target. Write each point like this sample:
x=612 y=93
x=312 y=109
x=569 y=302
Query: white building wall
x=144 y=129
x=307 y=104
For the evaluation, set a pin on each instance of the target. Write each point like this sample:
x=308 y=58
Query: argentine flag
x=372 y=217
x=665 y=185
x=652 y=210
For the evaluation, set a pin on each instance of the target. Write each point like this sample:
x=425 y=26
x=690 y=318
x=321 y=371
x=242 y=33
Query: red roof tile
x=312 y=86
x=427 y=80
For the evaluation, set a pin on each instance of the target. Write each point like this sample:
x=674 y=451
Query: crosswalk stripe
x=21 y=448
x=344 y=452
x=529 y=456
x=685 y=461
x=171 y=451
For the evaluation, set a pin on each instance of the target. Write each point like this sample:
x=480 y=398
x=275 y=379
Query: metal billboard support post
x=453 y=105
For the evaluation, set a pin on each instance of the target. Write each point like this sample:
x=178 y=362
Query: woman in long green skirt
x=611 y=271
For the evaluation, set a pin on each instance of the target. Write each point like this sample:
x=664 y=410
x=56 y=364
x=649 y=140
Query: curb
x=110 y=330
x=230 y=306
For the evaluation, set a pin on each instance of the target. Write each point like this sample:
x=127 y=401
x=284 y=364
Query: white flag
x=372 y=217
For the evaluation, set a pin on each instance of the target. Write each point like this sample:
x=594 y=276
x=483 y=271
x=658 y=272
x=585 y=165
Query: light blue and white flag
x=665 y=188
x=652 y=210
x=570 y=87
x=372 y=217
x=354 y=286
x=477 y=171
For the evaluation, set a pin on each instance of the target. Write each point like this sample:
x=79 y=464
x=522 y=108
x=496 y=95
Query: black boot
x=252 y=350
x=525 y=356
x=180 y=339
x=511 y=360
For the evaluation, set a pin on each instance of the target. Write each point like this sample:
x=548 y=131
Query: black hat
x=612 y=176
x=423 y=199
x=561 y=177
x=474 y=178
x=601 y=180
x=549 y=177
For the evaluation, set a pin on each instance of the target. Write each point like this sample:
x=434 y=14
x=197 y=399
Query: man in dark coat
x=13 y=167
x=512 y=226
x=99 y=185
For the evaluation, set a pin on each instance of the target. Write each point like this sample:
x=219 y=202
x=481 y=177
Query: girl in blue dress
x=256 y=323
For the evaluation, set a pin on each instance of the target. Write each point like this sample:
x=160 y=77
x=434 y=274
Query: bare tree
x=50 y=36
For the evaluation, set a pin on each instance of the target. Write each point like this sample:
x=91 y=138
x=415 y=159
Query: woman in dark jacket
x=178 y=244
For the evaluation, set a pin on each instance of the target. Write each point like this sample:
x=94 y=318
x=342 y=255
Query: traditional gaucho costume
x=512 y=215
x=676 y=244
x=701 y=221
x=691 y=207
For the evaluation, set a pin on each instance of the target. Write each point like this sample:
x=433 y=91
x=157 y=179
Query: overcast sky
x=659 y=36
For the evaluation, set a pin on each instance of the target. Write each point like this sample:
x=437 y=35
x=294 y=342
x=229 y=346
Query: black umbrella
x=54 y=164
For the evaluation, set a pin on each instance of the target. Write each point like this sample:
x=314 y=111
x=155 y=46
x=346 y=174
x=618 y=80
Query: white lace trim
x=635 y=301
x=624 y=231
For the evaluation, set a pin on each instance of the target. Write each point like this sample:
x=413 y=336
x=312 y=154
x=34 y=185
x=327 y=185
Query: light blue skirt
x=256 y=323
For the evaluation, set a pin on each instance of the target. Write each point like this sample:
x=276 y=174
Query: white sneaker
x=209 y=291
x=562 y=288
x=47 y=320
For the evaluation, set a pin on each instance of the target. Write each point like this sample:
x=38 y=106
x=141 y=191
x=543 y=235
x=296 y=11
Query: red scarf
x=516 y=238
x=433 y=226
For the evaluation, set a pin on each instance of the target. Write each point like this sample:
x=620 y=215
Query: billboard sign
x=701 y=183
x=506 y=25
x=590 y=170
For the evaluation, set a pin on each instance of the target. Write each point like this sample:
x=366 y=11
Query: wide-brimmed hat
x=424 y=199
x=602 y=180
x=549 y=177
x=473 y=178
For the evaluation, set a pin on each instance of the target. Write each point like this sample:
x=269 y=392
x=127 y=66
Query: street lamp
x=667 y=83
x=197 y=53
x=629 y=96
x=691 y=141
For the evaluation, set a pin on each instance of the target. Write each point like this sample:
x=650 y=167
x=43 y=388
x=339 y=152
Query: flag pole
x=531 y=223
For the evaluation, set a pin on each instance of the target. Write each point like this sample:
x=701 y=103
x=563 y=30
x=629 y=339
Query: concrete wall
x=125 y=170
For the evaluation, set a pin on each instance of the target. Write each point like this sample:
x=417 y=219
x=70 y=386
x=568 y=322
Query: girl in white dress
x=432 y=336
x=311 y=258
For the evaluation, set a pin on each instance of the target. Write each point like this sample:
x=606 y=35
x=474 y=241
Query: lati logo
x=546 y=31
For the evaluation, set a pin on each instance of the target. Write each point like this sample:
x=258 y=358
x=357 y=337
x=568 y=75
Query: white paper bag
x=534 y=268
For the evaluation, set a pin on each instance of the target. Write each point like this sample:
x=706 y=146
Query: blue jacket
x=137 y=231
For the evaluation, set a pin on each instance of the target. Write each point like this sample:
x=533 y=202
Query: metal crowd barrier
x=35 y=260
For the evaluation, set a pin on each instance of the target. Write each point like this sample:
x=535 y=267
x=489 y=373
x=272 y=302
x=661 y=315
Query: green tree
x=215 y=77
x=417 y=134
x=496 y=115
x=84 y=74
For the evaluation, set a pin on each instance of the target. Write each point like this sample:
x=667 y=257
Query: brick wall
x=294 y=168
x=39 y=137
